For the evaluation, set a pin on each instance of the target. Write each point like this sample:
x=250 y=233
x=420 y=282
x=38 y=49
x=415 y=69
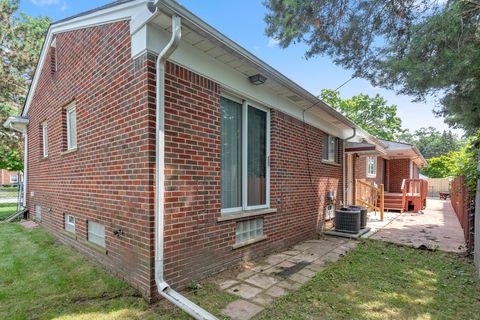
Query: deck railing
x=414 y=191
x=369 y=196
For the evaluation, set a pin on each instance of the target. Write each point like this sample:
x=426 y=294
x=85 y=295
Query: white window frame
x=373 y=173
x=45 y=139
x=245 y=207
x=15 y=179
x=69 y=110
x=70 y=226
x=89 y=225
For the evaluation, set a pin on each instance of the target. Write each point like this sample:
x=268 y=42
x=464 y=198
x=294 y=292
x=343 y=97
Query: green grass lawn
x=41 y=279
x=7 y=209
x=8 y=192
x=384 y=281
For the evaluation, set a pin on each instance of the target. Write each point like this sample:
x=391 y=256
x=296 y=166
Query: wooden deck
x=412 y=198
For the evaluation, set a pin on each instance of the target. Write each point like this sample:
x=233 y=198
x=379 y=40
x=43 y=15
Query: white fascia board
x=228 y=78
x=109 y=15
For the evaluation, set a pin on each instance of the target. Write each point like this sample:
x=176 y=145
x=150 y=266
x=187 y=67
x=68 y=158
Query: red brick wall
x=399 y=169
x=361 y=170
x=109 y=179
x=195 y=243
x=5 y=176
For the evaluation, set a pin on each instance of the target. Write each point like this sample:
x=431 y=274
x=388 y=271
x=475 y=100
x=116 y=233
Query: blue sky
x=242 y=21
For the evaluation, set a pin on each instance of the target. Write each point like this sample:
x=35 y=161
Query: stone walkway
x=278 y=274
x=436 y=226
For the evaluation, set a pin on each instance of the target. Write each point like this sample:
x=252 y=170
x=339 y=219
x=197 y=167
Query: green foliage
x=441 y=167
x=417 y=48
x=371 y=113
x=466 y=163
x=431 y=142
x=461 y=163
x=21 y=39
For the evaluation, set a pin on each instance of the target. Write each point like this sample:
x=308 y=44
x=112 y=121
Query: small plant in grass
x=194 y=285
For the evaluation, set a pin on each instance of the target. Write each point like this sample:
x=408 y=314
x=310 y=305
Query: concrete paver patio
x=280 y=274
x=436 y=226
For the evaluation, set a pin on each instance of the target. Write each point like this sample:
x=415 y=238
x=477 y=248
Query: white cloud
x=42 y=3
x=64 y=6
x=272 y=42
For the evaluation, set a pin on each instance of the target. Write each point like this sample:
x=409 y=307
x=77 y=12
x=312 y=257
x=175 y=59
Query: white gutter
x=20 y=124
x=344 y=184
x=163 y=287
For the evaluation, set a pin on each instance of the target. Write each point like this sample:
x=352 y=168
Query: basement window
x=38 y=212
x=69 y=223
x=249 y=230
x=96 y=233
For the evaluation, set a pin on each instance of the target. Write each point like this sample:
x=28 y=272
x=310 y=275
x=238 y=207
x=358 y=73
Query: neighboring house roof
x=397 y=149
x=137 y=13
x=389 y=150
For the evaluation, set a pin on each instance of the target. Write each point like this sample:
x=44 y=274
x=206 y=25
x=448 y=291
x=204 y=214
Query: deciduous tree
x=371 y=113
x=21 y=39
x=416 y=47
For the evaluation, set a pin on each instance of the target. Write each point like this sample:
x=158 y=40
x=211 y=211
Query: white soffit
x=222 y=65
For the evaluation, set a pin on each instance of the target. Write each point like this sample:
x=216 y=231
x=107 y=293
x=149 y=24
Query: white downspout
x=344 y=184
x=163 y=288
x=25 y=167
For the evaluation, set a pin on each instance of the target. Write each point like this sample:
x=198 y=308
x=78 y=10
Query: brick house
x=8 y=177
x=175 y=152
x=386 y=163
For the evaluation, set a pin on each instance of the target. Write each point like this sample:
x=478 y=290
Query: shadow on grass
x=379 y=280
x=40 y=279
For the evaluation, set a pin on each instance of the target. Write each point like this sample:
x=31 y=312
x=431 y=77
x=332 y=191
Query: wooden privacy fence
x=437 y=185
x=461 y=204
x=369 y=196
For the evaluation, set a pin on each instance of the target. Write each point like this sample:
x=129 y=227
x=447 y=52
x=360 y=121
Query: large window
x=371 y=167
x=244 y=139
x=71 y=127
x=45 y=139
x=330 y=149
